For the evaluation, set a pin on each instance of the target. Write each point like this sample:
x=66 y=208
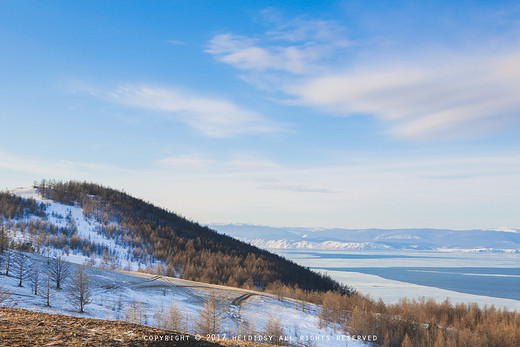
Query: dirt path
x=235 y=296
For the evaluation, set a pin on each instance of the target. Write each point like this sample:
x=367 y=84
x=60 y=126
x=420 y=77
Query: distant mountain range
x=485 y=240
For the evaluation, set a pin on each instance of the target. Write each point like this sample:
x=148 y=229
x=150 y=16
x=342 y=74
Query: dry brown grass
x=20 y=327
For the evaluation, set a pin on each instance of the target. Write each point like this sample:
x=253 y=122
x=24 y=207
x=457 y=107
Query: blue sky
x=352 y=114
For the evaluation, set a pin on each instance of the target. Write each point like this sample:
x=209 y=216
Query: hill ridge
x=152 y=237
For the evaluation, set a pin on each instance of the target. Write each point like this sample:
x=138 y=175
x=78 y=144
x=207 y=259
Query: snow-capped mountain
x=498 y=240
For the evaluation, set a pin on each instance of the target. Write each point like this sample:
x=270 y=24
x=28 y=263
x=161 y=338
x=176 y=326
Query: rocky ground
x=27 y=328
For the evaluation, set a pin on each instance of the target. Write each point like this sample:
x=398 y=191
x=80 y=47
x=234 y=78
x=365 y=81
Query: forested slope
x=98 y=220
x=187 y=249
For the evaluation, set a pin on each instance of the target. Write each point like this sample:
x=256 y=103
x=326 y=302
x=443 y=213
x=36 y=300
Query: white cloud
x=468 y=96
x=417 y=92
x=211 y=116
x=242 y=53
x=297 y=47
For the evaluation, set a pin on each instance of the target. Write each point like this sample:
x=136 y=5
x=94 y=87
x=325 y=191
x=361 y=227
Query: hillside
x=90 y=221
x=174 y=304
x=113 y=235
x=146 y=265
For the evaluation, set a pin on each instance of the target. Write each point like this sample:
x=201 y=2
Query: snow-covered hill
x=146 y=299
x=100 y=244
x=495 y=240
x=105 y=240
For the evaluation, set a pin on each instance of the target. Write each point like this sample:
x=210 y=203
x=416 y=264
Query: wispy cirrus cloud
x=296 y=47
x=458 y=97
x=211 y=116
x=416 y=92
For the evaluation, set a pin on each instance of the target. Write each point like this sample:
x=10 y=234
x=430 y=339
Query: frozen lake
x=485 y=278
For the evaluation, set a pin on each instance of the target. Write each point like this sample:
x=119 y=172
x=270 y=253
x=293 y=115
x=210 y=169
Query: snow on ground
x=115 y=292
x=299 y=327
x=28 y=193
x=87 y=228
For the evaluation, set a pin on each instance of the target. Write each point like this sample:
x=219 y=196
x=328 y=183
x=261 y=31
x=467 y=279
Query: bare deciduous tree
x=212 y=316
x=80 y=289
x=8 y=258
x=4 y=294
x=2 y=257
x=160 y=317
x=59 y=270
x=273 y=328
x=173 y=318
x=35 y=276
x=47 y=291
x=20 y=266
x=134 y=313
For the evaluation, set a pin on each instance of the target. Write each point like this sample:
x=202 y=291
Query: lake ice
x=484 y=278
